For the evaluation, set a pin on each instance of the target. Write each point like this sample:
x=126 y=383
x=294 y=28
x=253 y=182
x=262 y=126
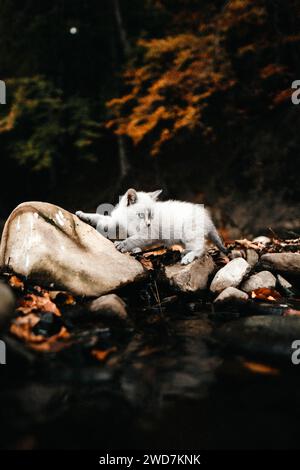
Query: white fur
x=143 y=221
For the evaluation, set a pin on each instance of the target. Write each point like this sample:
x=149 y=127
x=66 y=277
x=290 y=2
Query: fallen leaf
x=159 y=252
x=261 y=368
x=16 y=283
x=147 y=264
x=101 y=355
x=62 y=297
x=176 y=248
x=32 y=303
x=22 y=328
x=248 y=244
x=54 y=344
x=265 y=294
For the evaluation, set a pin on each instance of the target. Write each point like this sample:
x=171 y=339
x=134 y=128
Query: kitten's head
x=140 y=206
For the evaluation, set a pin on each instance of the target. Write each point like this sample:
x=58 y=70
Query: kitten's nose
x=148 y=224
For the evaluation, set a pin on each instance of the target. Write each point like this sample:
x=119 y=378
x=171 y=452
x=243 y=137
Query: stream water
x=163 y=388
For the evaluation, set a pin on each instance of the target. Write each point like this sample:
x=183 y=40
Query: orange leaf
x=101 y=355
x=16 y=283
x=34 y=303
x=22 y=328
x=147 y=264
x=265 y=294
x=260 y=368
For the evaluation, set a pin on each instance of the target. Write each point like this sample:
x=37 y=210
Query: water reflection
x=167 y=390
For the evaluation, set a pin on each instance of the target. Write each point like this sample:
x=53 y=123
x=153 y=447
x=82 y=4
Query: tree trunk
x=126 y=50
x=121 y=29
x=123 y=160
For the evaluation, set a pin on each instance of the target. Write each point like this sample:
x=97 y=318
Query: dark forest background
x=193 y=96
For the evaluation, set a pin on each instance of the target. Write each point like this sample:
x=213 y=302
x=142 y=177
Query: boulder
x=252 y=257
x=52 y=247
x=282 y=262
x=230 y=275
x=230 y=294
x=192 y=277
x=7 y=303
x=258 y=281
x=109 y=306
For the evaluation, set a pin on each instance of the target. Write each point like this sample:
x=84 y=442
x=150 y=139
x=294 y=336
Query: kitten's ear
x=131 y=196
x=155 y=194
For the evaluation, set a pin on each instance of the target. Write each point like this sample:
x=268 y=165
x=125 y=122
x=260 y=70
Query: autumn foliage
x=228 y=59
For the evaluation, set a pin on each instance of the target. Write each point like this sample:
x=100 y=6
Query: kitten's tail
x=216 y=239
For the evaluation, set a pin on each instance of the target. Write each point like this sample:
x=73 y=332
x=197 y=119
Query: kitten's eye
x=141 y=215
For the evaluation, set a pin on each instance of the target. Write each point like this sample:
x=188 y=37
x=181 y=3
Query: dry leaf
x=265 y=294
x=147 y=264
x=160 y=252
x=260 y=368
x=54 y=344
x=22 y=328
x=62 y=297
x=16 y=283
x=248 y=244
x=101 y=355
x=35 y=303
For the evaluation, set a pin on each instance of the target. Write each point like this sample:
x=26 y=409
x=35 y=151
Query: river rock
x=252 y=257
x=109 y=306
x=52 y=247
x=262 y=239
x=7 y=303
x=283 y=282
x=269 y=336
x=259 y=280
x=230 y=275
x=231 y=293
x=282 y=262
x=192 y=277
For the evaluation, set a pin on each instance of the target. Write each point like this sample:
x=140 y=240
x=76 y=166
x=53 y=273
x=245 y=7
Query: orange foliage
x=184 y=73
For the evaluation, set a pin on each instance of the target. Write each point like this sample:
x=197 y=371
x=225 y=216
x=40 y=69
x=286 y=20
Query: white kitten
x=143 y=221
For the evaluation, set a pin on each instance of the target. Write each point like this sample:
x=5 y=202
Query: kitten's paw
x=188 y=258
x=137 y=250
x=121 y=246
x=82 y=216
x=79 y=214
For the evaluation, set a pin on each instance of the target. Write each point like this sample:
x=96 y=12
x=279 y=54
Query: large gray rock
x=54 y=248
x=282 y=262
x=7 y=303
x=109 y=306
x=190 y=278
x=230 y=275
x=258 y=281
x=231 y=294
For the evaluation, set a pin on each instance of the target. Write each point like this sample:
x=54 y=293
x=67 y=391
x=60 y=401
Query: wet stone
x=262 y=336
